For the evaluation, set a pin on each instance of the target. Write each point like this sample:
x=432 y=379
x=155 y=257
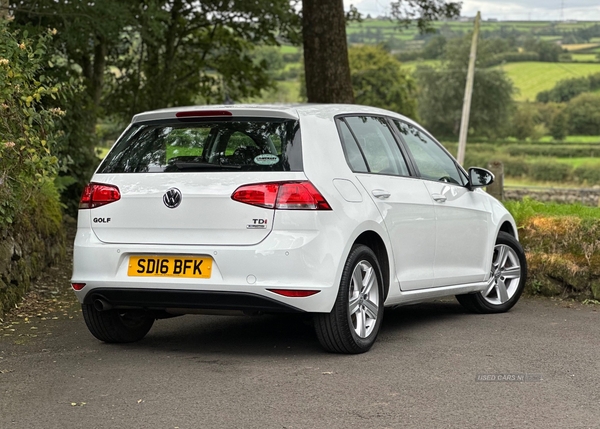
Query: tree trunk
x=93 y=72
x=97 y=81
x=326 y=65
x=3 y=9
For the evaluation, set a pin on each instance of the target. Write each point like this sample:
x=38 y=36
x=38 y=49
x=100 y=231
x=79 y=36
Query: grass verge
x=562 y=244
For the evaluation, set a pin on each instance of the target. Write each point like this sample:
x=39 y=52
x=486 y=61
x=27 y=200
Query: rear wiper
x=191 y=165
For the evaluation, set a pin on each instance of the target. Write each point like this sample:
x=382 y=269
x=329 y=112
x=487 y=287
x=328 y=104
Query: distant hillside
x=372 y=31
x=533 y=77
x=547 y=29
x=580 y=39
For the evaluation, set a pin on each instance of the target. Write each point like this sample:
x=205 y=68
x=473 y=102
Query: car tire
x=353 y=324
x=117 y=326
x=508 y=275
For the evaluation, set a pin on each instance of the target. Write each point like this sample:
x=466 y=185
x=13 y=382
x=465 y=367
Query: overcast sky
x=523 y=10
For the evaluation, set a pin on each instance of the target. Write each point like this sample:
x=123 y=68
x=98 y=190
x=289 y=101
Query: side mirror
x=479 y=177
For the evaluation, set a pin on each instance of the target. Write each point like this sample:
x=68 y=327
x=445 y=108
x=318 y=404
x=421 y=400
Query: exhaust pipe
x=101 y=305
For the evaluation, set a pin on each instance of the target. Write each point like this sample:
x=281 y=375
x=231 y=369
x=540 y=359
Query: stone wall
x=588 y=197
x=23 y=256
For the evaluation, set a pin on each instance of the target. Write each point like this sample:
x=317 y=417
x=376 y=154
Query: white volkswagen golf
x=334 y=210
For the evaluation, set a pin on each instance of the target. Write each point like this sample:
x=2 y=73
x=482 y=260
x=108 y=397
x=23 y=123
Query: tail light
x=96 y=195
x=282 y=196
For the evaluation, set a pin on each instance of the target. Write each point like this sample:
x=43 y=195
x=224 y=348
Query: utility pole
x=464 y=122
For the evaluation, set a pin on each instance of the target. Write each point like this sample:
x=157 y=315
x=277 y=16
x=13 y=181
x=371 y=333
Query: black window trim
x=412 y=165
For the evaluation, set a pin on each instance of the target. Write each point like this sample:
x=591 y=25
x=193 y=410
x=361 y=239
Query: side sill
x=420 y=295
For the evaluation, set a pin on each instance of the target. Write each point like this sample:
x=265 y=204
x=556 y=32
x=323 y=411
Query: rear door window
x=223 y=145
x=378 y=147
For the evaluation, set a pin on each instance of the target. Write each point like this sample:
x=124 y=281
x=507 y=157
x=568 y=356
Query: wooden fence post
x=496 y=189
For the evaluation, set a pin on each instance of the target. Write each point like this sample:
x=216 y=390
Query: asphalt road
x=269 y=372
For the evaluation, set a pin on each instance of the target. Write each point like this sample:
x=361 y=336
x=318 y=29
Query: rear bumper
x=163 y=299
x=241 y=276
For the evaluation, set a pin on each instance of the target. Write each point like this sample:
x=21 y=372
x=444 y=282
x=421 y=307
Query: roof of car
x=291 y=111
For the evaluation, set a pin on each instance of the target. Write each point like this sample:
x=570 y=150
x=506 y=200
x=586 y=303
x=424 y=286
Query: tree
x=3 y=9
x=378 y=80
x=183 y=52
x=31 y=110
x=559 y=127
x=325 y=50
x=548 y=51
x=441 y=93
x=326 y=64
x=271 y=59
x=553 y=116
x=584 y=114
x=423 y=12
x=167 y=52
x=524 y=121
x=146 y=54
x=566 y=89
x=435 y=48
x=86 y=35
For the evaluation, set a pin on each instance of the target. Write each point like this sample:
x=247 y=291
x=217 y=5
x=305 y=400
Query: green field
x=550 y=38
x=578 y=162
x=528 y=183
x=530 y=78
x=410 y=66
x=288 y=49
x=286 y=91
x=585 y=58
x=570 y=139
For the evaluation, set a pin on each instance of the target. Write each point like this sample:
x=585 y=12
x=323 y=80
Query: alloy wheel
x=363 y=299
x=505 y=275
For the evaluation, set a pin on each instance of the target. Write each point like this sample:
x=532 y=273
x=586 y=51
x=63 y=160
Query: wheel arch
x=508 y=228
x=373 y=240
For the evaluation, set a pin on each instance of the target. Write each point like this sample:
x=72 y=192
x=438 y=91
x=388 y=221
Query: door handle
x=439 y=198
x=380 y=193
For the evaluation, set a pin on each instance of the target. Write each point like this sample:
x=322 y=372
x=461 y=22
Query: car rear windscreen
x=207 y=145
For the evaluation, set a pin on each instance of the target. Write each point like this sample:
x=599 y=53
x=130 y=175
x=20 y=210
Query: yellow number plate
x=170 y=266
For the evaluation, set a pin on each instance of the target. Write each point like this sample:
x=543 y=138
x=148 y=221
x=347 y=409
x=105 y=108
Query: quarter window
x=353 y=155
